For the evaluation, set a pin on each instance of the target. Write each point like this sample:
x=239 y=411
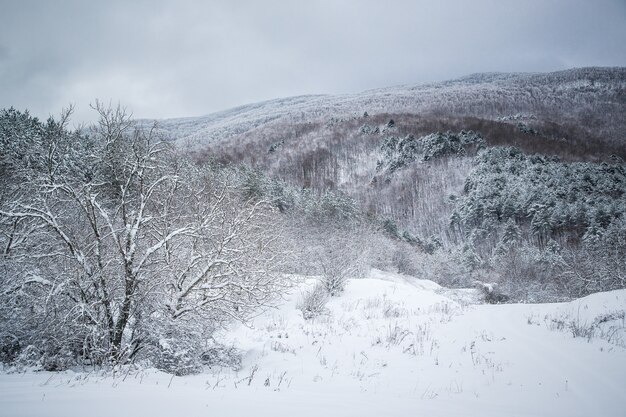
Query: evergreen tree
x=512 y=233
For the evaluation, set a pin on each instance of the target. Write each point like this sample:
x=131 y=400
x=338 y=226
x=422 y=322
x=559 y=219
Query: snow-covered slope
x=389 y=346
x=491 y=95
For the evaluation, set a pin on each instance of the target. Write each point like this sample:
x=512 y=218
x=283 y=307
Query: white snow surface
x=391 y=345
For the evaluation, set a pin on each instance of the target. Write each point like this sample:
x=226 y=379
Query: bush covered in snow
x=313 y=302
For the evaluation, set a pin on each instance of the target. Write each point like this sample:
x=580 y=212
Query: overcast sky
x=182 y=58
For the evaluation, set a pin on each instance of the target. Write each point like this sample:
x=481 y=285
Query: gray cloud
x=168 y=59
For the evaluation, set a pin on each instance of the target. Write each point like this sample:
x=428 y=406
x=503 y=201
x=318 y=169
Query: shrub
x=404 y=260
x=313 y=302
x=9 y=349
x=491 y=292
x=222 y=356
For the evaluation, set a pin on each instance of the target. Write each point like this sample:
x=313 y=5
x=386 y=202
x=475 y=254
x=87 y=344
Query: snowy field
x=389 y=346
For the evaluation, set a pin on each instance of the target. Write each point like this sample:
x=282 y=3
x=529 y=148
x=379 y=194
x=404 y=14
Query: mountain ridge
x=493 y=94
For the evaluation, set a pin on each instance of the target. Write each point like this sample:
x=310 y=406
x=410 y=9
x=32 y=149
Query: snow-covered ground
x=389 y=346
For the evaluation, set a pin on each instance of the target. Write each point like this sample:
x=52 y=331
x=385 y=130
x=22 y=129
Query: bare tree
x=111 y=230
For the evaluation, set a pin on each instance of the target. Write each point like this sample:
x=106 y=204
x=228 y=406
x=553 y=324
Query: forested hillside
x=449 y=168
x=590 y=99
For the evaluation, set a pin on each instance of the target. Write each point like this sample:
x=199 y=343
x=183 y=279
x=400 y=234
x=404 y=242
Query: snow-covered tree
x=115 y=231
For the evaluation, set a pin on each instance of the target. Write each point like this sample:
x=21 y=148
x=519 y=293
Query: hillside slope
x=596 y=96
x=408 y=156
x=329 y=143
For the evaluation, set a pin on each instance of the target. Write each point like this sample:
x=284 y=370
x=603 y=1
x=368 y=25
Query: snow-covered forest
x=462 y=241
